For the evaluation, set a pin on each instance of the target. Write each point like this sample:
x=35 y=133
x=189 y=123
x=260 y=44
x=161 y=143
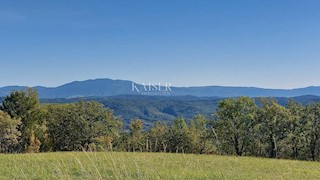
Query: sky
x=270 y=44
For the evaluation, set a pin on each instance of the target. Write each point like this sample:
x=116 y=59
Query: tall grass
x=118 y=165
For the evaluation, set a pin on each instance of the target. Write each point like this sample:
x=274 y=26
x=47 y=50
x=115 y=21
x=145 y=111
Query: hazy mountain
x=165 y=108
x=109 y=87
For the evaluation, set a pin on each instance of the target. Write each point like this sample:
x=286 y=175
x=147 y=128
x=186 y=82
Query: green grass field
x=82 y=165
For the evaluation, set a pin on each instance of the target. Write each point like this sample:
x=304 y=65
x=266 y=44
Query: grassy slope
x=151 y=166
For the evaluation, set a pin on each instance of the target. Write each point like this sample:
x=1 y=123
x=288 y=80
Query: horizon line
x=140 y=83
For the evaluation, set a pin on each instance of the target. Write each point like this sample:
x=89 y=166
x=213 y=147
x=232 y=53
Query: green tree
x=235 y=124
x=135 y=139
x=9 y=133
x=273 y=126
x=25 y=105
x=312 y=116
x=103 y=127
x=179 y=137
x=295 y=142
x=76 y=126
x=157 y=141
x=200 y=135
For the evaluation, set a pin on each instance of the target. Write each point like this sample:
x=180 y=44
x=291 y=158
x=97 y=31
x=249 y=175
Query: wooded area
x=240 y=126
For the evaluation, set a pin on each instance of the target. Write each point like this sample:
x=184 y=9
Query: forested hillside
x=165 y=108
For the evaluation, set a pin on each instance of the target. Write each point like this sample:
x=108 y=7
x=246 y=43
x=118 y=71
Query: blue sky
x=273 y=44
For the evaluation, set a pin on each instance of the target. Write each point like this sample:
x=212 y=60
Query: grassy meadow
x=117 y=165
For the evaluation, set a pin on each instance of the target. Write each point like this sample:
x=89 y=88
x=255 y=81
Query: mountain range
x=108 y=87
x=130 y=100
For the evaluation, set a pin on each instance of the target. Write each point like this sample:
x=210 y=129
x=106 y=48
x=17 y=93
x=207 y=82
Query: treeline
x=240 y=126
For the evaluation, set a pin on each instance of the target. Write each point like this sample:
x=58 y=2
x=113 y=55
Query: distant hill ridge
x=108 y=87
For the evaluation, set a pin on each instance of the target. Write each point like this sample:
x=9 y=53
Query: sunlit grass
x=116 y=165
